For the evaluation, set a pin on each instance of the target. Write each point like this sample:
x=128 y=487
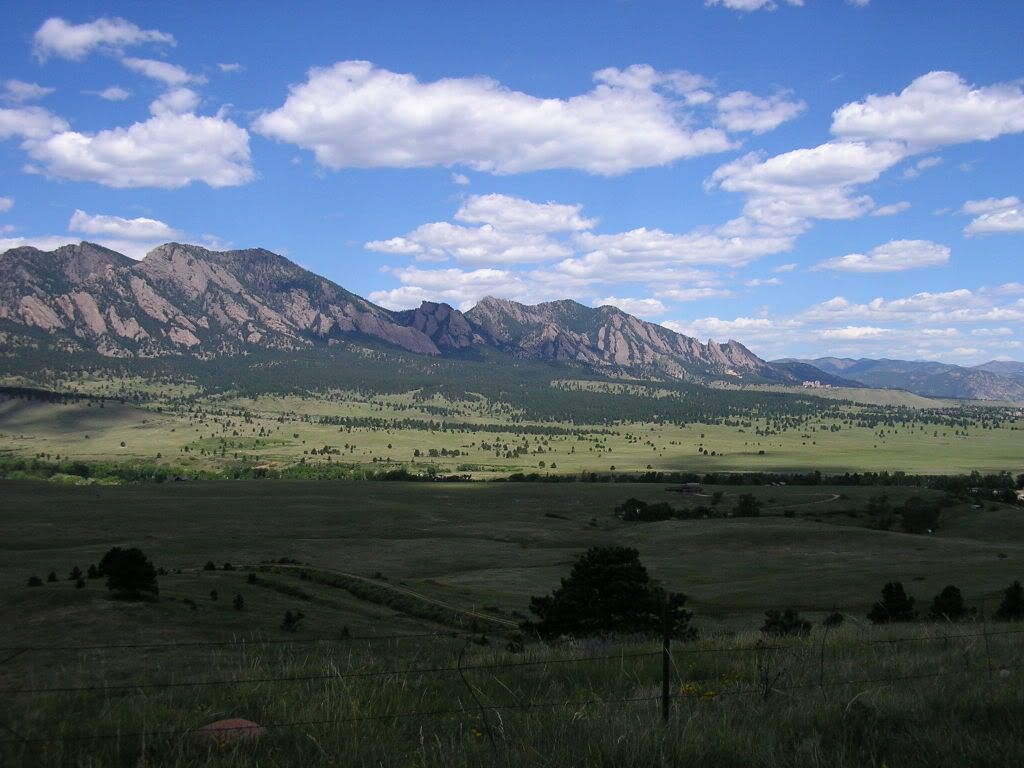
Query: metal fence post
x=666 y=657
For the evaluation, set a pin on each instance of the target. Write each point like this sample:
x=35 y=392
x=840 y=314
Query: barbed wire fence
x=769 y=682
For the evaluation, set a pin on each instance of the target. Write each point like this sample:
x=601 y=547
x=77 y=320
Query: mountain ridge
x=188 y=300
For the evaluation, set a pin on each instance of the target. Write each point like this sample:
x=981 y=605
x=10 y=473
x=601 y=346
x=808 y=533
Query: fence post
x=666 y=657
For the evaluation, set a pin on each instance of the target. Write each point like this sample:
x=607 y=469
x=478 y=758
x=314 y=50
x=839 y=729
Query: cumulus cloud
x=29 y=123
x=18 y=91
x=461 y=179
x=175 y=102
x=57 y=37
x=742 y=111
x=936 y=109
x=997 y=215
x=894 y=256
x=891 y=210
x=114 y=93
x=638 y=307
x=354 y=114
x=757 y=282
x=518 y=215
x=169 y=74
x=6 y=203
x=854 y=332
x=458 y=287
x=230 y=67
x=694 y=294
x=168 y=150
x=750 y=5
x=921 y=165
x=114 y=226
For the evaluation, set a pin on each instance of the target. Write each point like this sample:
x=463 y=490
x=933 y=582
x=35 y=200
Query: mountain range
x=187 y=300
x=995 y=380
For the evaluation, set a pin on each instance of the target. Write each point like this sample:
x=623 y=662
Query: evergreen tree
x=949 y=605
x=895 y=606
x=1012 y=607
x=129 y=572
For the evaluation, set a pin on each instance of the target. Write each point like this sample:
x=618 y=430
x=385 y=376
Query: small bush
x=1012 y=606
x=894 y=606
x=76 y=574
x=787 y=623
x=35 y=581
x=52 y=577
x=213 y=594
x=292 y=621
x=228 y=567
x=210 y=566
x=834 y=619
x=251 y=578
x=948 y=605
x=93 y=572
x=239 y=602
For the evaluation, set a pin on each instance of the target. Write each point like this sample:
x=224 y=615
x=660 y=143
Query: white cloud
x=998 y=332
x=175 y=102
x=6 y=203
x=230 y=67
x=859 y=3
x=759 y=281
x=854 y=332
x=357 y=115
x=750 y=5
x=785 y=267
x=1002 y=215
x=57 y=37
x=458 y=287
x=891 y=210
x=29 y=123
x=694 y=294
x=461 y=179
x=894 y=256
x=638 y=307
x=18 y=91
x=515 y=214
x=485 y=244
x=114 y=93
x=742 y=111
x=117 y=227
x=935 y=109
x=169 y=74
x=697 y=247
x=168 y=151
x=710 y=327
x=921 y=165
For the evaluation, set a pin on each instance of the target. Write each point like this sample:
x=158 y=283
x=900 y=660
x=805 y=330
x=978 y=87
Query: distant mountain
x=187 y=300
x=985 y=382
x=1009 y=368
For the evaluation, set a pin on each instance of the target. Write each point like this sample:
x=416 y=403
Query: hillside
x=990 y=381
x=184 y=300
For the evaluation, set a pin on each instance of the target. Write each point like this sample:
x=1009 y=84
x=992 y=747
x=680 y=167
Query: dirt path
x=508 y=623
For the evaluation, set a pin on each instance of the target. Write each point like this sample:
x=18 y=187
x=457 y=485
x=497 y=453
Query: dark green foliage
x=76 y=574
x=634 y=510
x=787 y=623
x=228 y=567
x=1012 y=606
x=210 y=566
x=251 y=578
x=608 y=592
x=747 y=506
x=238 y=602
x=292 y=621
x=93 y=572
x=834 y=619
x=949 y=605
x=80 y=584
x=129 y=572
x=35 y=581
x=52 y=577
x=894 y=606
x=213 y=594
x=919 y=515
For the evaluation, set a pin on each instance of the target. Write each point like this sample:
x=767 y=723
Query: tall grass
x=735 y=705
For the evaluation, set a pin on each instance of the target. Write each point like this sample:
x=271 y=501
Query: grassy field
x=280 y=431
x=387 y=559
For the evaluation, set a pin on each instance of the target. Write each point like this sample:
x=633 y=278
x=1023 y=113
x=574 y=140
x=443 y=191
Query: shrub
x=79 y=584
x=919 y=516
x=895 y=606
x=35 y=581
x=608 y=591
x=52 y=577
x=747 y=506
x=1012 y=606
x=129 y=572
x=228 y=567
x=210 y=566
x=291 y=621
x=948 y=605
x=834 y=619
x=93 y=572
x=251 y=578
x=213 y=594
x=787 y=623
x=239 y=602
x=76 y=574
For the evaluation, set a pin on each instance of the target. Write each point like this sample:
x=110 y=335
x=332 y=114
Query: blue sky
x=819 y=177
